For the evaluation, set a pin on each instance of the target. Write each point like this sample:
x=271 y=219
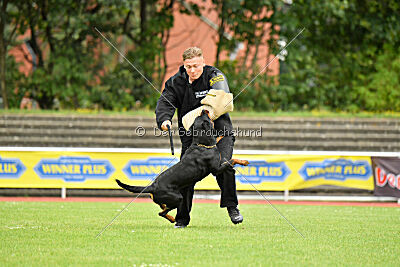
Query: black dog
x=201 y=159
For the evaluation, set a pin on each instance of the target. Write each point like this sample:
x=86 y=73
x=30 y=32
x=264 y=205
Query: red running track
x=145 y=200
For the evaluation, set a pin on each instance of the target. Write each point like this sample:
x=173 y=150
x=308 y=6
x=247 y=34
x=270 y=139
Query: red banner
x=386 y=176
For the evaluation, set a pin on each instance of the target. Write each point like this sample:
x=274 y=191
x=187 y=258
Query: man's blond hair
x=192 y=52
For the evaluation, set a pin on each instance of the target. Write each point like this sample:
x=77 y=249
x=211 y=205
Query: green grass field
x=63 y=233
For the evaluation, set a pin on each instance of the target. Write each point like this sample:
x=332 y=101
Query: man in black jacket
x=183 y=92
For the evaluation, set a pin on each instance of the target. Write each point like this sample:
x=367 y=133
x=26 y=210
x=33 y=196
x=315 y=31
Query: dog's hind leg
x=167 y=200
x=164 y=213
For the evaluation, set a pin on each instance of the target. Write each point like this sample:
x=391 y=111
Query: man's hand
x=164 y=125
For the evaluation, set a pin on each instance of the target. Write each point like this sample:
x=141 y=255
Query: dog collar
x=207 y=146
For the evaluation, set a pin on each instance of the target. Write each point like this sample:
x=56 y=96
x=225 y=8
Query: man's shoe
x=180 y=225
x=235 y=215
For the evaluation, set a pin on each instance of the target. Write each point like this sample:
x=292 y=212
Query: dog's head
x=203 y=130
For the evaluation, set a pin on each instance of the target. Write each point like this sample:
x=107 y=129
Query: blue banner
x=11 y=168
x=259 y=171
x=149 y=168
x=74 y=169
x=339 y=170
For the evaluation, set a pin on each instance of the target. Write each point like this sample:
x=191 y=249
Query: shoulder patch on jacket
x=216 y=79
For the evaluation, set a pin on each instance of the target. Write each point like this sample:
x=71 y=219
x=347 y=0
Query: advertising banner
x=387 y=176
x=79 y=169
x=291 y=172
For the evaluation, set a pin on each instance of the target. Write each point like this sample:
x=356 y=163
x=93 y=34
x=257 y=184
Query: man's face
x=194 y=67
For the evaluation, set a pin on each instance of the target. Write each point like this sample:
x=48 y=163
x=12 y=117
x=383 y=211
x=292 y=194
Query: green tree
x=72 y=66
x=62 y=39
x=250 y=23
x=9 y=22
x=340 y=47
x=380 y=90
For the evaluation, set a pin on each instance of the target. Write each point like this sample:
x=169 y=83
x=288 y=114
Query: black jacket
x=180 y=94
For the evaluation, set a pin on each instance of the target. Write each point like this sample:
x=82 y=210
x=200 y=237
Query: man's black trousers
x=226 y=182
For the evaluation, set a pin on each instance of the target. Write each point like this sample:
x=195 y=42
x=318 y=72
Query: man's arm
x=218 y=81
x=166 y=104
x=222 y=123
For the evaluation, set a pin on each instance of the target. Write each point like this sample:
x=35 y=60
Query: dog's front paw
x=240 y=162
x=244 y=162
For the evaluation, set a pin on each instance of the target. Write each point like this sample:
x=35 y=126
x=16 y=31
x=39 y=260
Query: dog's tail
x=135 y=189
